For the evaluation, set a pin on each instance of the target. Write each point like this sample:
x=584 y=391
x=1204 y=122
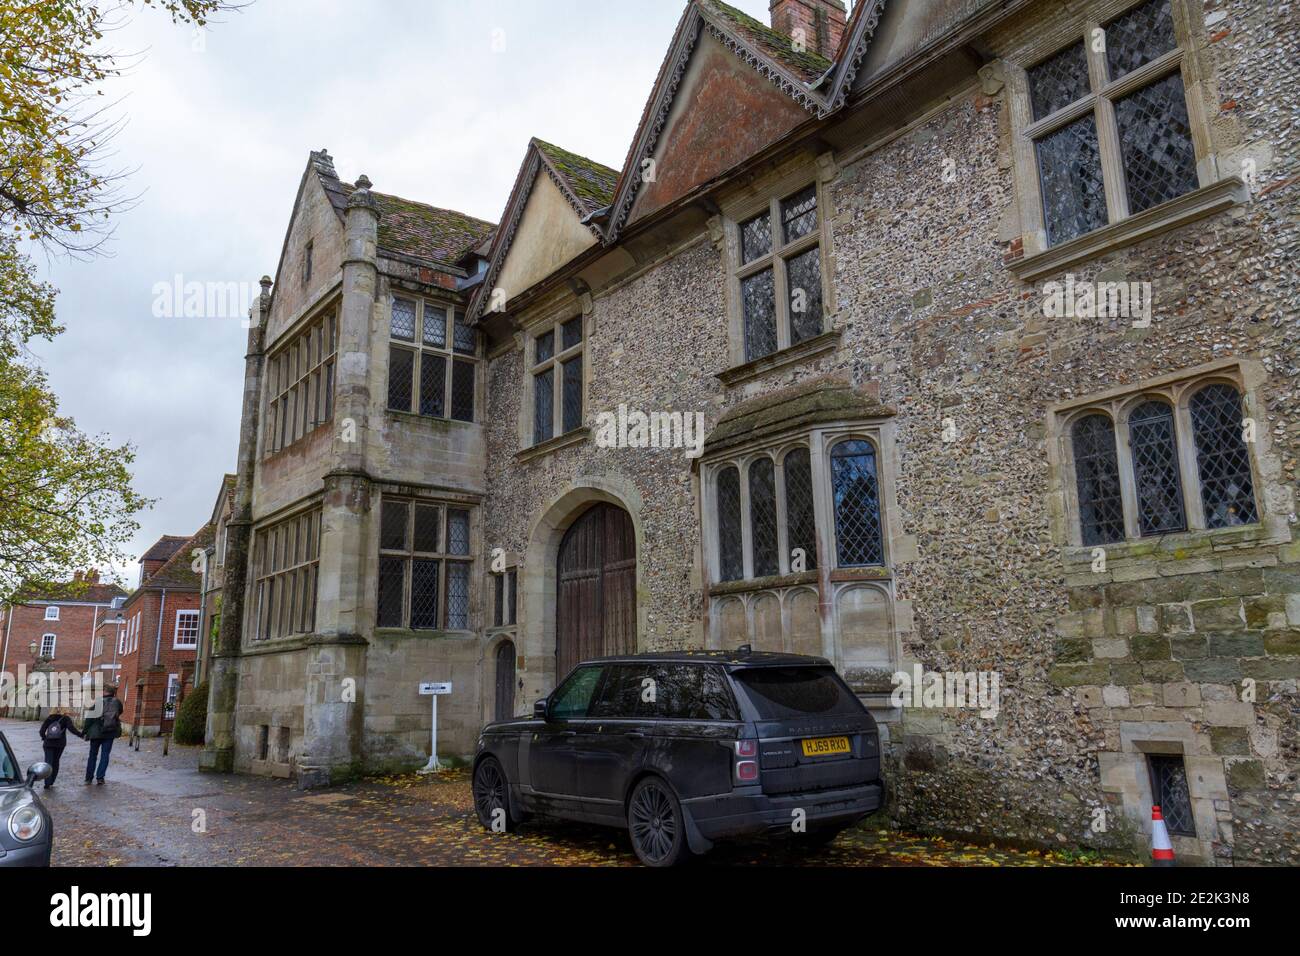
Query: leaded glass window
x=1153 y=446
x=1156 y=140
x=286 y=563
x=423 y=377
x=1147 y=138
x=730 y=555
x=1138 y=36
x=762 y=518
x=779 y=276
x=856 y=495
x=1096 y=472
x=1169 y=789
x=424 y=566
x=1069 y=168
x=1222 y=457
x=557 y=380
x=801 y=524
x=300 y=384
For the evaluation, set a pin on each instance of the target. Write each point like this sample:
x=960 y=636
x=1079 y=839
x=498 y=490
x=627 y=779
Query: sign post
x=433 y=691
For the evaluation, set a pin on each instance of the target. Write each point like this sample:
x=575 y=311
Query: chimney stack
x=818 y=23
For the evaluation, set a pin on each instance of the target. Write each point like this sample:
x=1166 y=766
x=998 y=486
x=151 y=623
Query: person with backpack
x=101 y=731
x=54 y=737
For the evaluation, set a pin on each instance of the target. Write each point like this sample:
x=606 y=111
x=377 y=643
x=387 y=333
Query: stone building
x=989 y=310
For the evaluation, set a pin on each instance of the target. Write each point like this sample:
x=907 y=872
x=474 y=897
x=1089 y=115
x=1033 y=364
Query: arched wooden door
x=595 y=609
x=505 y=681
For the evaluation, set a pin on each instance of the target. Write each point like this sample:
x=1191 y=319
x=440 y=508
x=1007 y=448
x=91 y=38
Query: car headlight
x=25 y=823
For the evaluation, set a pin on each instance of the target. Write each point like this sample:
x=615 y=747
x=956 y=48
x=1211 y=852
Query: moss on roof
x=411 y=228
x=590 y=181
x=821 y=400
x=178 y=573
x=779 y=46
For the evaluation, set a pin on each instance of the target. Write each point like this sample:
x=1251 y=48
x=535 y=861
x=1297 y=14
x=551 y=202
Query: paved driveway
x=158 y=810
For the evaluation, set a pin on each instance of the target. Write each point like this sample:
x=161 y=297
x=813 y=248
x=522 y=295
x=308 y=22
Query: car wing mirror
x=539 y=709
x=38 y=771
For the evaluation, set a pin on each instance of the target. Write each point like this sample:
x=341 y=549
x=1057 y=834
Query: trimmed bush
x=192 y=716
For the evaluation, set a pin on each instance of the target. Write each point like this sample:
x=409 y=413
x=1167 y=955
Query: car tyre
x=491 y=792
x=656 y=824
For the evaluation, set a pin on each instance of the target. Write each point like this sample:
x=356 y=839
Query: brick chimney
x=822 y=23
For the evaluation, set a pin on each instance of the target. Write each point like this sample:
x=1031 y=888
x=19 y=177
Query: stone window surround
x=506 y=627
x=252 y=631
x=559 y=356
x=310 y=316
x=552 y=317
x=819 y=441
x=766 y=193
x=1177 y=388
x=1126 y=774
x=419 y=347
x=444 y=503
x=1216 y=192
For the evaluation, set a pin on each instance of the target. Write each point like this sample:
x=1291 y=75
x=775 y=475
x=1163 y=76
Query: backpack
x=55 y=731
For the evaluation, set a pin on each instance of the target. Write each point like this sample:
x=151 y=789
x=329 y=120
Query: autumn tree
x=66 y=500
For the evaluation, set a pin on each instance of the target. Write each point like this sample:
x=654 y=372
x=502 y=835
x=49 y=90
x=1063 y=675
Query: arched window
x=801 y=527
x=762 y=517
x=731 y=565
x=857 y=505
x=1096 y=473
x=1223 y=463
x=1154 y=448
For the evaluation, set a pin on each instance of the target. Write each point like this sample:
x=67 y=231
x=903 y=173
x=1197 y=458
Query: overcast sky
x=433 y=99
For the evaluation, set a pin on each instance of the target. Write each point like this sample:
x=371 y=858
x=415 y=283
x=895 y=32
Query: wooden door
x=595 y=608
x=505 y=689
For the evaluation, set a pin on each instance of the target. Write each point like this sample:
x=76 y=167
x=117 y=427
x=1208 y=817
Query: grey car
x=26 y=830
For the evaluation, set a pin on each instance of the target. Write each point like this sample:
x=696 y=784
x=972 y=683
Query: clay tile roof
x=178 y=572
x=164 y=547
x=411 y=228
x=591 y=182
x=777 y=46
x=819 y=400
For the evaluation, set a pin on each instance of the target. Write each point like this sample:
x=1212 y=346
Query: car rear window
x=780 y=693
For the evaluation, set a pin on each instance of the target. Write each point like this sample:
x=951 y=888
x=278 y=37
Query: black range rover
x=686 y=748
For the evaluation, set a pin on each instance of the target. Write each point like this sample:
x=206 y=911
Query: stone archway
x=539 y=580
x=595 y=605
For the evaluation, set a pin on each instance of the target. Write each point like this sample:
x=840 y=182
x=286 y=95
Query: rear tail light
x=746 y=766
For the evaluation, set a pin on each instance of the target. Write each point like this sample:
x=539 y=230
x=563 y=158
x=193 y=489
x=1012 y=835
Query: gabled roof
x=583 y=179
x=225 y=497
x=817 y=84
x=587 y=185
x=178 y=573
x=406 y=227
x=164 y=547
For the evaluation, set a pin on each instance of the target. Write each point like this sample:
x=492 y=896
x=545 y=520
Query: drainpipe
x=94 y=626
x=4 y=657
x=157 y=644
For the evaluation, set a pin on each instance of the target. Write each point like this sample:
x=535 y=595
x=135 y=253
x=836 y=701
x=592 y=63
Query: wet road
x=158 y=810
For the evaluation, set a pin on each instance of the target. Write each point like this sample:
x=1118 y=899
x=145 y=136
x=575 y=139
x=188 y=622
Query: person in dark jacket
x=101 y=730
x=54 y=737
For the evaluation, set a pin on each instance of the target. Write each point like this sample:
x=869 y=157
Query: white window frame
x=52 y=640
x=52 y=613
x=177 y=643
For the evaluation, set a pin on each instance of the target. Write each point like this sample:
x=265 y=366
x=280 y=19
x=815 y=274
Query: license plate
x=824 y=746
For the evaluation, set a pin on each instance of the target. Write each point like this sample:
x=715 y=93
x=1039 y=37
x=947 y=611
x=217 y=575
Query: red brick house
x=157 y=643
x=55 y=629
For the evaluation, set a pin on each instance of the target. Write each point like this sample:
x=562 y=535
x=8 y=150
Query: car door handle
x=568 y=733
x=635 y=735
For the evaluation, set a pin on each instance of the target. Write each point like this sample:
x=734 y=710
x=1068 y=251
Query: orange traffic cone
x=1162 y=851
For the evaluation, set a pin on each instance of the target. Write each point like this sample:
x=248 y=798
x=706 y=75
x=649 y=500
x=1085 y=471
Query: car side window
x=620 y=694
x=684 y=692
x=573 y=699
